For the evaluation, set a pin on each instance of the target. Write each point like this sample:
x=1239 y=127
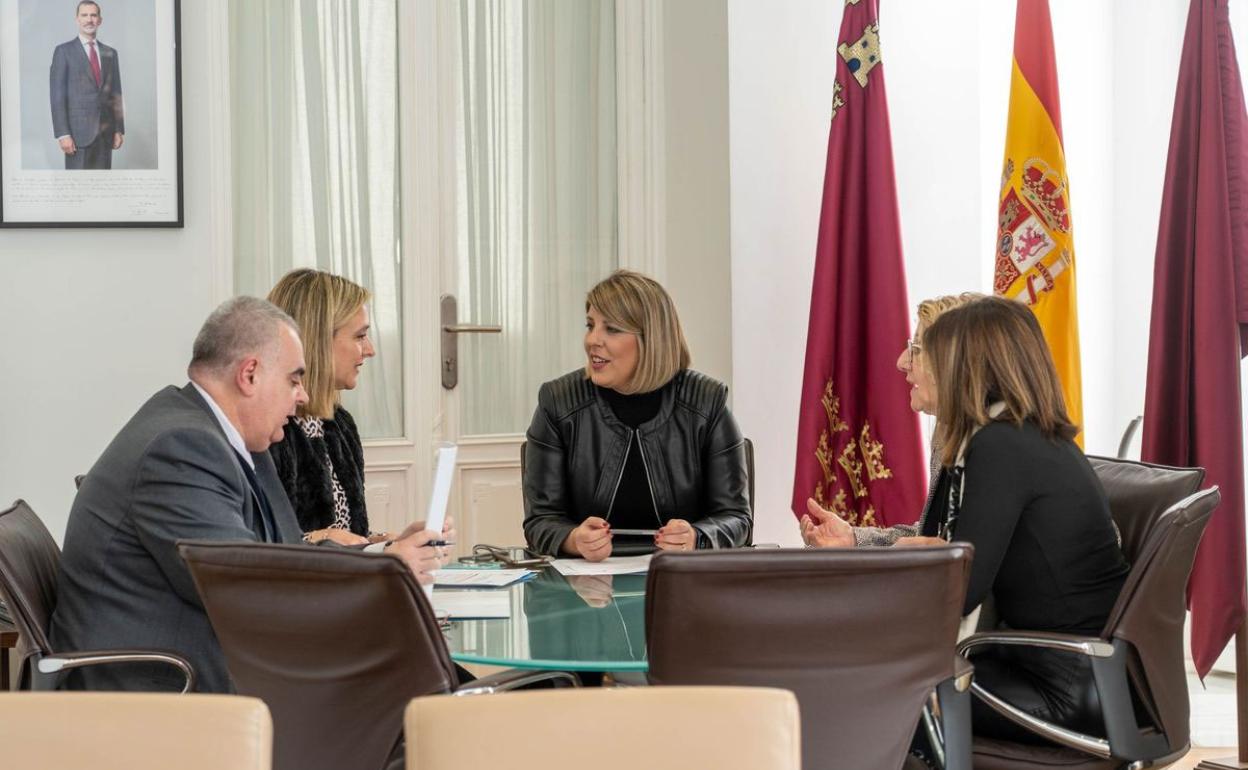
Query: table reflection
x=583 y=623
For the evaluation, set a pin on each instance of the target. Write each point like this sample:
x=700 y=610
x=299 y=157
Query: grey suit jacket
x=170 y=474
x=80 y=108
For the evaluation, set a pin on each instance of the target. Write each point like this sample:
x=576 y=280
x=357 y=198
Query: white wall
x=695 y=95
x=98 y=320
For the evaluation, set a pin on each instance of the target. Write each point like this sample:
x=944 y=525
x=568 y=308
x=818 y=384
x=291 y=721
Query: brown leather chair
x=29 y=558
x=657 y=728
x=860 y=636
x=1138 y=658
x=134 y=731
x=335 y=641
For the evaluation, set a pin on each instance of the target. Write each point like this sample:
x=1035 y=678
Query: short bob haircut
x=321 y=303
x=992 y=350
x=637 y=304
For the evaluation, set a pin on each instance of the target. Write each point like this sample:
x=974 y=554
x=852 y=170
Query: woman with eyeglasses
x=823 y=528
x=635 y=441
x=1015 y=485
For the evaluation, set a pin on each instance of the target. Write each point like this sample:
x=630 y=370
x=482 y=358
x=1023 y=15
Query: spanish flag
x=1035 y=259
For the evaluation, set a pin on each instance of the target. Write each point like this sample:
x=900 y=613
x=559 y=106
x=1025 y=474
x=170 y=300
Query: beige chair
x=657 y=728
x=134 y=731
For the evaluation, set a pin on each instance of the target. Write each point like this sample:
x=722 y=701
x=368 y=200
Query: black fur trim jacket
x=303 y=465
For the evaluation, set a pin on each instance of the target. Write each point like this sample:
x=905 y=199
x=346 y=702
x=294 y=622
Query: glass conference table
x=575 y=623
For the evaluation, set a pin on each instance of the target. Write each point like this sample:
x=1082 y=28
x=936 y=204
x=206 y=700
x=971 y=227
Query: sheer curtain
x=314 y=123
x=536 y=199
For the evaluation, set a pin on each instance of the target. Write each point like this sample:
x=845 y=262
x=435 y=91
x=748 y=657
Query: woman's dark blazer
x=693 y=452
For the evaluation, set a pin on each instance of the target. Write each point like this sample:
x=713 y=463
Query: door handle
x=451 y=329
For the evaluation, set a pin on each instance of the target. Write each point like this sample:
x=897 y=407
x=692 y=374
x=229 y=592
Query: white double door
x=510 y=184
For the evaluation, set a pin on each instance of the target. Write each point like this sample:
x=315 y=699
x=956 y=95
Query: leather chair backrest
x=860 y=636
x=335 y=641
x=657 y=728
x=1152 y=606
x=134 y=731
x=28 y=563
x=1139 y=493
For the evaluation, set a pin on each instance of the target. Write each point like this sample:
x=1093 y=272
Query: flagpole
x=1239 y=762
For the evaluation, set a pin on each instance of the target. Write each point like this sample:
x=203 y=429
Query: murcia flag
x=1199 y=329
x=858 y=449
x=1035 y=258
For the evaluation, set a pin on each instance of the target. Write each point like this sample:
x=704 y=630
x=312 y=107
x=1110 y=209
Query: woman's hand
x=676 y=535
x=911 y=542
x=822 y=528
x=339 y=536
x=594 y=589
x=591 y=540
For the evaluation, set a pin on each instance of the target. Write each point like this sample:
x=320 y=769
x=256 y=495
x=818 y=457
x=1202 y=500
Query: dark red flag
x=858 y=448
x=1199 y=329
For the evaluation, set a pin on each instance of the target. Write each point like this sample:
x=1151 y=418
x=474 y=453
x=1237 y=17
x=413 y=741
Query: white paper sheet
x=442 y=476
x=479 y=578
x=472 y=603
x=612 y=565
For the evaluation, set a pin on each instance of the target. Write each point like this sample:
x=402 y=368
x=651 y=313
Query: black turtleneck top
x=634 y=503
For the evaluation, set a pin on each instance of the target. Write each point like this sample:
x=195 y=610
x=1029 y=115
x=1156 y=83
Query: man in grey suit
x=88 y=116
x=193 y=463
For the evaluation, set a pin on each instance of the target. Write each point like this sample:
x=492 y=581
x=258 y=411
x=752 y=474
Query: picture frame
x=90 y=113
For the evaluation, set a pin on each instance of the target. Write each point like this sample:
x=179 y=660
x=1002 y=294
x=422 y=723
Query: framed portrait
x=90 y=113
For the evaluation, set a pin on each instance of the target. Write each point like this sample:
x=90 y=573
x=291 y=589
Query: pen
x=440 y=543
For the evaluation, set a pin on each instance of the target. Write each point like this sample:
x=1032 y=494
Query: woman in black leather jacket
x=635 y=441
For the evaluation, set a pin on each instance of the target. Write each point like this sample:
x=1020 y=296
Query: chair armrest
x=56 y=663
x=1084 y=645
x=515 y=679
x=1109 y=669
x=1092 y=647
x=1097 y=747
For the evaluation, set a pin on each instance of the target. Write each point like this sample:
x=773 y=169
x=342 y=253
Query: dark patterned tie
x=266 y=529
x=95 y=64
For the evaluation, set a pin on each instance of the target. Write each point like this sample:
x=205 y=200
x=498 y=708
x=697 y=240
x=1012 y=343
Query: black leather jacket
x=693 y=451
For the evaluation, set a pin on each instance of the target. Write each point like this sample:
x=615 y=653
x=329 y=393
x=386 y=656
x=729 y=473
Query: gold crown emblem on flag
x=1045 y=190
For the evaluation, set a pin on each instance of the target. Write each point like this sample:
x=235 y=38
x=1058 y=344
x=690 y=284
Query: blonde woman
x=321 y=460
x=634 y=441
x=823 y=528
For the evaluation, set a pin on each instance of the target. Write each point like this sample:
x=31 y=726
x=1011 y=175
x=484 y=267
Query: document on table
x=612 y=565
x=480 y=578
x=472 y=603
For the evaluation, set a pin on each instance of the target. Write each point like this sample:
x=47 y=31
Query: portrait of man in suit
x=88 y=115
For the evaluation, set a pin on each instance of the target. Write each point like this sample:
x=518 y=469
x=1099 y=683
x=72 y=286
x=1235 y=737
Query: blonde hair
x=637 y=304
x=321 y=303
x=992 y=350
x=931 y=309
